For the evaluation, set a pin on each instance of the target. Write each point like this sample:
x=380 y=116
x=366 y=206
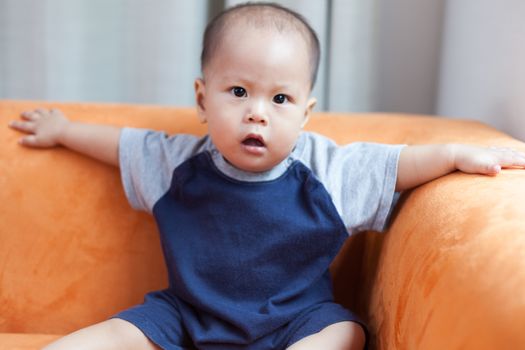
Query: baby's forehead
x=254 y=31
x=243 y=40
x=262 y=48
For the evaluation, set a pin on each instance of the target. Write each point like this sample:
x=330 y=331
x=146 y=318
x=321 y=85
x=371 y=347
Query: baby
x=251 y=215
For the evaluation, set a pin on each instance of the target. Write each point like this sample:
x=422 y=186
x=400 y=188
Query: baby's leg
x=112 y=334
x=338 y=336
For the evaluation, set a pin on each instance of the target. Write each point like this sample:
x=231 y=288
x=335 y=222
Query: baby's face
x=255 y=96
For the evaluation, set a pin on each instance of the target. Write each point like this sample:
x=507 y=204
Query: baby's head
x=259 y=63
x=264 y=16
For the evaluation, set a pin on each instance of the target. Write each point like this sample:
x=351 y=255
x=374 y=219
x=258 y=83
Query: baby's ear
x=309 y=108
x=200 y=94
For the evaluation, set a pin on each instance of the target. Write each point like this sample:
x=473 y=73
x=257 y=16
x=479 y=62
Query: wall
x=483 y=63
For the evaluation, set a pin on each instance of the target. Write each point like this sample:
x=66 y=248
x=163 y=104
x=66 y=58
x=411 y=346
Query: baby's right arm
x=49 y=128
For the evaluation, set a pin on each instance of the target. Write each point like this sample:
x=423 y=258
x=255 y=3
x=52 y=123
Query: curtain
x=99 y=50
x=148 y=51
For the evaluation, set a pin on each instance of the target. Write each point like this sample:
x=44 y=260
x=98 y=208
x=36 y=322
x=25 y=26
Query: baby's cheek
x=285 y=147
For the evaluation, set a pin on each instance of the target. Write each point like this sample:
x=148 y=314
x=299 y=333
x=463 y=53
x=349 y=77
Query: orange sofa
x=448 y=274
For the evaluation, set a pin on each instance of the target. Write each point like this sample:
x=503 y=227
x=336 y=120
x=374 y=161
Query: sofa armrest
x=451 y=272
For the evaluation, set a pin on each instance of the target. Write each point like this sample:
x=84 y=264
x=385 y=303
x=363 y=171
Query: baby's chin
x=256 y=166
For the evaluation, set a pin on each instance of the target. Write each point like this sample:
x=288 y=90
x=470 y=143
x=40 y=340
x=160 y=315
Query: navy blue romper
x=247 y=261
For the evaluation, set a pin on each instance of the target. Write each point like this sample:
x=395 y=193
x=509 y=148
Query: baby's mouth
x=254 y=141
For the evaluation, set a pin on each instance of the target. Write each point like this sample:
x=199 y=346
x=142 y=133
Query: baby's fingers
x=30 y=141
x=36 y=141
x=30 y=115
x=517 y=161
x=508 y=158
x=24 y=126
x=486 y=160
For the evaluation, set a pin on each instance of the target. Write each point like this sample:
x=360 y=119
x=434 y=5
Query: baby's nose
x=257 y=113
x=257 y=118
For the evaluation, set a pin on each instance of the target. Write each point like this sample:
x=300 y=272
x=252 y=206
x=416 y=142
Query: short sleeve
x=147 y=160
x=360 y=178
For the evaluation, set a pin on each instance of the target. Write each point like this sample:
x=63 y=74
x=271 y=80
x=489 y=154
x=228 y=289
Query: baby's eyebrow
x=284 y=86
x=232 y=79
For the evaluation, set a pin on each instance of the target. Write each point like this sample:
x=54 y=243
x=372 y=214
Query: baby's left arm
x=420 y=164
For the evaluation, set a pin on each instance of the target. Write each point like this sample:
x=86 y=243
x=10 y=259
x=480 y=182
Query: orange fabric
x=10 y=341
x=449 y=274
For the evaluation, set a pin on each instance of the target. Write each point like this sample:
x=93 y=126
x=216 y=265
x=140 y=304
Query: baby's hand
x=43 y=126
x=487 y=161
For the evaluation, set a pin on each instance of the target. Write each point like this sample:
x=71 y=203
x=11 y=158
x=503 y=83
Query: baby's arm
x=49 y=128
x=420 y=164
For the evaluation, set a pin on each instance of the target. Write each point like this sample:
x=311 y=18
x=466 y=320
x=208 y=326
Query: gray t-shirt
x=360 y=177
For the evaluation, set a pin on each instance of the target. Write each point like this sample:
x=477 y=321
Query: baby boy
x=251 y=215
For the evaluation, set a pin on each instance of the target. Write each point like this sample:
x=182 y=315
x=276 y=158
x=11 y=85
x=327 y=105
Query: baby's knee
x=111 y=334
x=338 y=336
x=357 y=335
x=345 y=336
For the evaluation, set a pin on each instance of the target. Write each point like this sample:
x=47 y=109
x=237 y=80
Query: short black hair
x=261 y=13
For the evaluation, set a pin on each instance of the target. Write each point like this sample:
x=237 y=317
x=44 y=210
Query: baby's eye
x=280 y=98
x=239 y=91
